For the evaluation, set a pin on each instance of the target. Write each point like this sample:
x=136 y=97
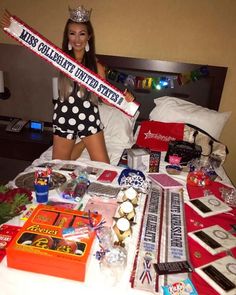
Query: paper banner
x=69 y=66
x=158 y=83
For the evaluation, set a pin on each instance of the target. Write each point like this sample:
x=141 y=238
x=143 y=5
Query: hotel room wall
x=182 y=30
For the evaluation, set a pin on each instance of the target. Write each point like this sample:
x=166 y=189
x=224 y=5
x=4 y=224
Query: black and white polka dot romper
x=76 y=117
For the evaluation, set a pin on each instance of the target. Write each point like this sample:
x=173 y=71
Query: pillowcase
x=173 y=109
x=118 y=127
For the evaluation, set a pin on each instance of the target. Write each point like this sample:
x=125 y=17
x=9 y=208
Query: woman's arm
x=101 y=70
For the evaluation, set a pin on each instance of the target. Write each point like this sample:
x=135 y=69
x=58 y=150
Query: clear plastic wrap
x=75 y=188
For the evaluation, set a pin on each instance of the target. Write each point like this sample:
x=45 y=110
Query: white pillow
x=118 y=127
x=172 y=109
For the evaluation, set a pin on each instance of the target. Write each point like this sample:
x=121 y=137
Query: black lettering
x=33 y=41
x=80 y=74
x=93 y=83
x=28 y=38
x=42 y=47
x=24 y=35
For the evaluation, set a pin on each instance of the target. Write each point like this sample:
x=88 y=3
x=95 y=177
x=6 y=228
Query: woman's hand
x=128 y=96
x=5 y=20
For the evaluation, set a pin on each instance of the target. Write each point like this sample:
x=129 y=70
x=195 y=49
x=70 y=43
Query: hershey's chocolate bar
x=172 y=267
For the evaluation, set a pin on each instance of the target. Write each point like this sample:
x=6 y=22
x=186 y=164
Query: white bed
x=119 y=135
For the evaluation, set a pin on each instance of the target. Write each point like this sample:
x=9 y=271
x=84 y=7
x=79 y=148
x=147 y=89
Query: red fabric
x=195 y=222
x=156 y=135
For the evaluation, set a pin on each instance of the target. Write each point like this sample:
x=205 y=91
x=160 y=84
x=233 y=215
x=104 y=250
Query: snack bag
x=184 y=287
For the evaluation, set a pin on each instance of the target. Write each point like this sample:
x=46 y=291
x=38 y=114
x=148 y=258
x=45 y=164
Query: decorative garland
x=31 y=39
x=158 y=83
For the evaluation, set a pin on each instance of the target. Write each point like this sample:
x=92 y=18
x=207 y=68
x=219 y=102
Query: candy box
x=41 y=247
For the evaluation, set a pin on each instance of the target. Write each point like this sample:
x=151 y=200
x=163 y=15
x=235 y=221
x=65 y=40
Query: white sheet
x=19 y=282
x=114 y=153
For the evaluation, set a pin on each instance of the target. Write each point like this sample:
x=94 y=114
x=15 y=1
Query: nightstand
x=18 y=150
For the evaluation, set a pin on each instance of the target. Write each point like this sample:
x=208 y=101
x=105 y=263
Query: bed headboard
x=205 y=91
x=30 y=81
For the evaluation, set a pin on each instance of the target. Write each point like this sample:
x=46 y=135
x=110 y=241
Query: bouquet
x=12 y=202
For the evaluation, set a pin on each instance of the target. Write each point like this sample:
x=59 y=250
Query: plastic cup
x=41 y=192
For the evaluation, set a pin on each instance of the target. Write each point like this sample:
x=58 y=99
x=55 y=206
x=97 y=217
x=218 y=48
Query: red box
x=40 y=247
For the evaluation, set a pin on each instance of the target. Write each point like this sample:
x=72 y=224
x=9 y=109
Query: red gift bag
x=156 y=135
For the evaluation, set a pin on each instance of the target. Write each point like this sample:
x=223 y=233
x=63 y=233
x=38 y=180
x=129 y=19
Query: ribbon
x=95 y=227
x=100 y=254
x=146 y=272
x=31 y=39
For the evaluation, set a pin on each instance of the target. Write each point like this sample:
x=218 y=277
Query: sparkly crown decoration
x=80 y=14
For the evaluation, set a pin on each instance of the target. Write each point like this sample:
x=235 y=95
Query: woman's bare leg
x=62 y=148
x=77 y=150
x=96 y=147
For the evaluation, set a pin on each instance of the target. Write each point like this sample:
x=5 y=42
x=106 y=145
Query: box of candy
x=43 y=245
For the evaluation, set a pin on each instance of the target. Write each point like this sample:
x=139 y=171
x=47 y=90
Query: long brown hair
x=89 y=59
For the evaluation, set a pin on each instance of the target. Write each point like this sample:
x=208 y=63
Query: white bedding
x=114 y=153
x=19 y=282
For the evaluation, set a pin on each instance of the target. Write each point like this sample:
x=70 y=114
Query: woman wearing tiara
x=76 y=112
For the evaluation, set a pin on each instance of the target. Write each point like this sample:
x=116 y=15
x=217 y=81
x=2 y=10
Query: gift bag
x=156 y=135
x=212 y=149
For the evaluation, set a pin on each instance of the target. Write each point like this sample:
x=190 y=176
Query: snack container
x=40 y=246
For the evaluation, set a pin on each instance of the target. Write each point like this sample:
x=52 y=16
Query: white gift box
x=138 y=159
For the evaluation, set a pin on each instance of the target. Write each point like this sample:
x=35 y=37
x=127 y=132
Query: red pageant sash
x=27 y=36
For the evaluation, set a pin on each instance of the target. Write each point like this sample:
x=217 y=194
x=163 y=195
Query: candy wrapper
x=184 y=287
x=75 y=234
x=7 y=233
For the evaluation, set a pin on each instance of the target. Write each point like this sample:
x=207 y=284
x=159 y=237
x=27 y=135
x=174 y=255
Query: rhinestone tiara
x=80 y=14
